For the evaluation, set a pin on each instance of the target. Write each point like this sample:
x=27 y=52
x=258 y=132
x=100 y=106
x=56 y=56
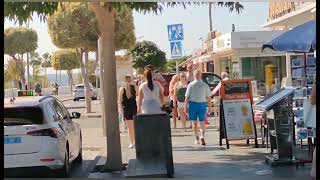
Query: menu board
x=238 y=119
x=236 y=96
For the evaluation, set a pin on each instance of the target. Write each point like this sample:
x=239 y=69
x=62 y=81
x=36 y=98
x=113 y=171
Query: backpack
x=181 y=94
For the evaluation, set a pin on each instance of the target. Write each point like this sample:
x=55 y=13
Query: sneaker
x=197 y=140
x=131 y=146
x=203 y=143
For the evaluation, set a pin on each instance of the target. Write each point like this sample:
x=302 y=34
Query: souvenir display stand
x=280 y=125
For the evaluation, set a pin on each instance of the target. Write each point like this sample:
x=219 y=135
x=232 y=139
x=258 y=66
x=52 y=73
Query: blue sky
x=195 y=20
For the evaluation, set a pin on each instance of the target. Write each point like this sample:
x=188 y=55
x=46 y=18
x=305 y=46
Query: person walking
x=20 y=85
x=173 y=82
x=189 y=73
x=127 y=106
x=179 y=98
x=150 y=95
x=313 y=102
x=37 y=89
x=198 y=96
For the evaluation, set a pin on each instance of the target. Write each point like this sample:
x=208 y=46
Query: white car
x=79 y=92
x=40 y=133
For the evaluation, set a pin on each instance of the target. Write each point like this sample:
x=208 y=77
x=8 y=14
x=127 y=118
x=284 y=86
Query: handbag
x=309 y=114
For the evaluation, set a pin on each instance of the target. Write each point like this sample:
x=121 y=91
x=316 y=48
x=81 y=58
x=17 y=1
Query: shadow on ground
x=78 y=170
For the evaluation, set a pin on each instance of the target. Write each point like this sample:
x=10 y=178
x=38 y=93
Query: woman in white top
x=150 y=95
x=179 y=98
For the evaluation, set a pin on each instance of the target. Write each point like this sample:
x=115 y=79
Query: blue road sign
x=175 y=32
x=176 y=49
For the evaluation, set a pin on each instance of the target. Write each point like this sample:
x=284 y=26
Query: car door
x=52 y=116
x=64 y=122
x=74 y=132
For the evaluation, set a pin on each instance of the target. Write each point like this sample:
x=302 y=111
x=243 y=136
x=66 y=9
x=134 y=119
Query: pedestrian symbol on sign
x=176 y=49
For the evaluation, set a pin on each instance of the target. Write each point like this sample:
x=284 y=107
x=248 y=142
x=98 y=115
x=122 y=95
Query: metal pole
x=177 y=67
x=288 y=67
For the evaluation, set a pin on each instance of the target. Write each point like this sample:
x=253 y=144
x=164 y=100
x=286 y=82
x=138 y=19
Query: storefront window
x=255 y=68
x=225 y=63
x=235 y=70
x=210 y=67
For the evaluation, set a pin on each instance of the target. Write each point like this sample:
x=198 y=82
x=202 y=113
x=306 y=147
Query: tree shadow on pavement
x=251 y=170
x=200 y=148
x=78 y=170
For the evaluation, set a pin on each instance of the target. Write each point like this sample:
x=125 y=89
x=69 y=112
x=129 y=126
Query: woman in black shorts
x=128 y=107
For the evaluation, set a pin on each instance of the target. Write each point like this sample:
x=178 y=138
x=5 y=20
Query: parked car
x=79 y=92
x=39 y=133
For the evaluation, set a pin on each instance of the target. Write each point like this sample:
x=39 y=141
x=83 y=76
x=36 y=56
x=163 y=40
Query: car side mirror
x=75 y=115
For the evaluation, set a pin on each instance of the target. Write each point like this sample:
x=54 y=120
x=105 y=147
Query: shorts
x=180 y=104
x=197 y=110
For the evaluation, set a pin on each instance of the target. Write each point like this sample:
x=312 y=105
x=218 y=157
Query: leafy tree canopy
x=171 y=64
x=21 y=11
x=146 y=52
x=19 y=40
x=65 y=59
x=73 y=26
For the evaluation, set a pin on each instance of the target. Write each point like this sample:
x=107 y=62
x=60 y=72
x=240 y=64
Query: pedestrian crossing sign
x=176 y=49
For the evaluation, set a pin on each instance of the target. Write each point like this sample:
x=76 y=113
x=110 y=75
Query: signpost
x=236 y=121
x=175 y=36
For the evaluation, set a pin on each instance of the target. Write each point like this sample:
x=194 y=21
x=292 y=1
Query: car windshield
x=79 y=87
x=22 y=116
x=211 y=79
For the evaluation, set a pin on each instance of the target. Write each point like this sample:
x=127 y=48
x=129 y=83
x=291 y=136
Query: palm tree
x=231 y=5
x=46 y=62
x=12 y=71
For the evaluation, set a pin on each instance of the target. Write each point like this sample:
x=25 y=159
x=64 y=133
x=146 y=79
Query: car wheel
x=75 y=99
x=94 y=98
x=65 y=171
x=78 y=160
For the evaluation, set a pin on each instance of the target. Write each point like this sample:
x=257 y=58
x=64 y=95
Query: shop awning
x=300 y=39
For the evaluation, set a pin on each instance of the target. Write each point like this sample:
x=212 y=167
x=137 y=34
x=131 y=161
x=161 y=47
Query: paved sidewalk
x=212 y=161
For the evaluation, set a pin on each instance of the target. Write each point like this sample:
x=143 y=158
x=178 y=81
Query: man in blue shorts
x=198 y=98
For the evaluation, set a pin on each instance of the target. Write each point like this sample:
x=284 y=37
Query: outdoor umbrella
x=300 y=39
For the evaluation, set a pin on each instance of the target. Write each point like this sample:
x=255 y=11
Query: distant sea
x=64 y=78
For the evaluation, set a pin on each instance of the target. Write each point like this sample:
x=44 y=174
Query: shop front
x=241 y=53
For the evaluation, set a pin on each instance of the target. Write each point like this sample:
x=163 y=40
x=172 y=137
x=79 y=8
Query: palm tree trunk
x=28 y=72
x=69 y=72
x=106 y=20
x=210 y=17
x=45 y=75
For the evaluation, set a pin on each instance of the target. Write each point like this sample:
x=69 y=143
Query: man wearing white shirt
x=198 y=97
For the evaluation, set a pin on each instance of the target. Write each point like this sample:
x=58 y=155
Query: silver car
x=79 y=92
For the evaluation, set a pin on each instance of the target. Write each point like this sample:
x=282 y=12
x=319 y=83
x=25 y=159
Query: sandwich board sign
x=237 y=121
